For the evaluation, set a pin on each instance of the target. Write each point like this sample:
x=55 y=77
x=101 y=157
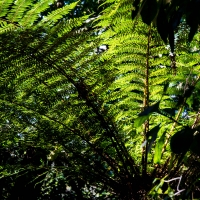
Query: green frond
x=6 y=27
x=57 y=14
x=32 y=15
x=4 y=7
x=18 y=9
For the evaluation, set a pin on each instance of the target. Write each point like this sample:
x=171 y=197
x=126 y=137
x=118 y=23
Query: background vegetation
x=98 y=102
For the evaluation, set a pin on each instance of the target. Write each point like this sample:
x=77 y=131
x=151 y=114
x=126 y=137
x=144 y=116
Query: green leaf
x=57 y=14
x=192 y=32
x=150 y=109
x=162 y=24
x=166 y=85
x=33 y=14
x=140 y=120
x=135 y=8
x=169 y=111
x=4 y=7
x=149 y=11
x=193 y=18
x=181 y=141
x=143 y=116
x=151 y=136
x=158 y=149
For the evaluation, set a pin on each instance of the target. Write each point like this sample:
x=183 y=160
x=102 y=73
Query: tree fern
x=132 y=80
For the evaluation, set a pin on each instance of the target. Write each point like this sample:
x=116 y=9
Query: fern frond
x=4 y=7
x=18 y=9
x=34 y=13
x=6 y=27
x=57 y=14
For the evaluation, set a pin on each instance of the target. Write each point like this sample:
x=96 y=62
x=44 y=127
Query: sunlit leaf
x=140 y=120
x=158 y=149
x=150 y=109
x=151 y=136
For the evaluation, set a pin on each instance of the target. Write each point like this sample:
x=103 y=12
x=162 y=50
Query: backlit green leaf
x=158 y=149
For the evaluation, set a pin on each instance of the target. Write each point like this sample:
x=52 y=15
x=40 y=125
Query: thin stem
x=146 y=104
x=172 y=129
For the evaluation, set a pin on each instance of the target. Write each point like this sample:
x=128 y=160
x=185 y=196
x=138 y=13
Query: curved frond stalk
x=146 y=104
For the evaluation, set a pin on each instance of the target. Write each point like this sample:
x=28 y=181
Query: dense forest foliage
x=99 y=99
